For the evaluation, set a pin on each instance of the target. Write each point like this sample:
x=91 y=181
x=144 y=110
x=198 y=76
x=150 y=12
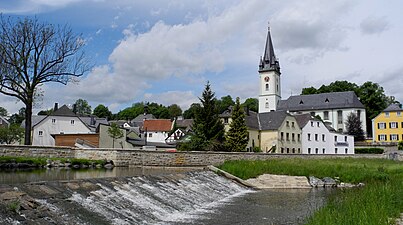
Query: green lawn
x=379 y=200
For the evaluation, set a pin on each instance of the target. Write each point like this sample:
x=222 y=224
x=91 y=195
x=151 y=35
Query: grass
x=377 y=202
x=40 y=162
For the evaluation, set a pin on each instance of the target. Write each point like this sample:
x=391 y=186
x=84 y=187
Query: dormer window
x=301 y=102
x=326 y=100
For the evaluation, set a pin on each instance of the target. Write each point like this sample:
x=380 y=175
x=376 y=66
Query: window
x=287 y=123
x=267 y=87
x=299 y=137
x=299 y=150
x=72 y=122
x=282 y=150
x=394 y=137
x=293 y=137
x=316 y=150
x=393 y=125
x=288 y=150
x=335 y=150
x=399 y=114
x=309 y=137
x=40 y=133
x=381 y=125
x=293 y=150
x=335 y=138
x=287 y=136
x=309 y=150
x=382 y=137
x=53 y=121
x=316 y=137
x=225 y=120
x=317 y=124
x=282 y=136
x=292 y=124
x=346 y=150
x=345 y=138
x=323 y=151
x=150 y=135
x=386 y=114
x=311 y=123
x=339 y=117
x=359 y=114
x=267 y=104
x=323 y=137
x=326 y=115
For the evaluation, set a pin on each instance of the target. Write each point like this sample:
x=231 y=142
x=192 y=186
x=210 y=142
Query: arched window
x=267 y=104
x=267 y=87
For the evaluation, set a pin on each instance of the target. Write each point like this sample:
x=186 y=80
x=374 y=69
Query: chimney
x=92 y=121
x=56 y=107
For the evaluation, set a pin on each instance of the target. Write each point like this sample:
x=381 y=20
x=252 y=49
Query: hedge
x=368 y=150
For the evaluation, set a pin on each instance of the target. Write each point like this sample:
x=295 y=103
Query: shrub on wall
x=400 y=145
x=368 y=150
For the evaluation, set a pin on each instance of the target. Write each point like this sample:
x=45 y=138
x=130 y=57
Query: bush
x=400 y=145
x=369 y=151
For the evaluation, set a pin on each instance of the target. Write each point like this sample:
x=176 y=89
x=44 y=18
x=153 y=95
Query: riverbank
x=377 y=202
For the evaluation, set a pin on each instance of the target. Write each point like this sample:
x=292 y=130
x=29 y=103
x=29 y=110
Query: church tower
x=269 y=73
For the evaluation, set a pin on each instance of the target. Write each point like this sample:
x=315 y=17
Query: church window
x=267 y=87
x=267 y=104
x=340 y=117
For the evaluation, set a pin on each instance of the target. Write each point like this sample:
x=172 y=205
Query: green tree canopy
x=354 y=127
x=174 y=111
x=252 y=104
x=11 y=134
x=224 y=103
x=115 y=133
x=237 y=136
x=191 y=112
x=207 y=127
x=3 y=111
x=102 y=111
x=17 y=118
x=45 y=112
x=82 y=107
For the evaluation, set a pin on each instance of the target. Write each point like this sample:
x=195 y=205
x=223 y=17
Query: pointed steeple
x=269 y=61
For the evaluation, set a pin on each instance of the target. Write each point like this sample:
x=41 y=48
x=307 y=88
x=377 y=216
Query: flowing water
x=198 y=197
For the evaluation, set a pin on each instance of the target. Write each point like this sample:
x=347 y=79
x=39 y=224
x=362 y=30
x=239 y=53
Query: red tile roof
x=158 y=125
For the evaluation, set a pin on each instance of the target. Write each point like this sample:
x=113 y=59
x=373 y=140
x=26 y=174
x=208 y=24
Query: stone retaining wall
x=125 y=157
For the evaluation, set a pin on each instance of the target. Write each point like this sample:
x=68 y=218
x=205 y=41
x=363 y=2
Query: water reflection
x=16 y=176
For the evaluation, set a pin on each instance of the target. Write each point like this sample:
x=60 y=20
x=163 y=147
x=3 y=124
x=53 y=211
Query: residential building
x=274 y=132
x=388 y=125
x=61 y=121
x=157 y=130
x=333 y=108
x=317 y=138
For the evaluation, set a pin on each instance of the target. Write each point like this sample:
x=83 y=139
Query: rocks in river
x=328 y=182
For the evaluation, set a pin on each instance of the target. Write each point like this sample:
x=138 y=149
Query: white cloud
x=374 y=25
x=182 y=98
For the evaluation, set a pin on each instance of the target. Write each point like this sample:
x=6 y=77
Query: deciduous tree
x=82 y=107
x=3 y=111
x=11 y=134
x=115 y=133
x=102 y=111
x=252 y=104
x=33 y=53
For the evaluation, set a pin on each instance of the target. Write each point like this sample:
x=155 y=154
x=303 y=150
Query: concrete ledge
x=231 y=177
x=269 y=181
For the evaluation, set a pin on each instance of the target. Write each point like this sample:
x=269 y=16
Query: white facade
x=317 y=139
x=269 y=91
x=156 y=136
x=41 y=132
x=337 y=118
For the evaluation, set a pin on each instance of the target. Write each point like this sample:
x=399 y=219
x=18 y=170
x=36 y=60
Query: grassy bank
x=379 y=200
x=41 y=162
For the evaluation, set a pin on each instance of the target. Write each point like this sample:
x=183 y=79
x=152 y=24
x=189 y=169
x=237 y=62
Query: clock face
x=266 y=79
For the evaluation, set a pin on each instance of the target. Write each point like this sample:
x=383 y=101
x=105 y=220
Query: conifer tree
x=207 y=127
x=354 y=127
x=237 y=135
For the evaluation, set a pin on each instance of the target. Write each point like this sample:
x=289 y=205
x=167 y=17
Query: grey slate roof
x=142 y=117
x=93 y=122
x=269 y=61
x=393 y=108
x=63 y=111
x=266 y=121
x=302 y=119
x=333 y=100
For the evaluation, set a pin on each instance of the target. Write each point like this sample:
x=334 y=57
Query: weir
x=154 y=199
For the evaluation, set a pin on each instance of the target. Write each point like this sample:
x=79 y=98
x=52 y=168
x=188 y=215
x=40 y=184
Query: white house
x=318 y=139
x=157 y=130
x=61 y=121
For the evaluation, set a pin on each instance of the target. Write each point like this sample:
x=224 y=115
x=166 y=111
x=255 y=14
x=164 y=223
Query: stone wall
x=126 y=157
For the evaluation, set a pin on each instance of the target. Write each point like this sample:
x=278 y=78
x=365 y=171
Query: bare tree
x=33 y=53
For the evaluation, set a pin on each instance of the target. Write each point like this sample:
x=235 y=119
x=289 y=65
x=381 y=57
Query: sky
x=165 y=51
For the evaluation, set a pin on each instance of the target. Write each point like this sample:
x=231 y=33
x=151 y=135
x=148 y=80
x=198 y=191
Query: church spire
x=269 y=61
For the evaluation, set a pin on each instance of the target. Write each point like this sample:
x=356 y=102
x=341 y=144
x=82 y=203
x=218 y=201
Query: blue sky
x=165 y=51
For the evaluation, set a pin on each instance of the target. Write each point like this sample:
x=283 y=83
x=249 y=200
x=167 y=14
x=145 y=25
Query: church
x=276 y=127
x=333 y=108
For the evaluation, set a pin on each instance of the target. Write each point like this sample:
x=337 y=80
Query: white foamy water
x=159 y=200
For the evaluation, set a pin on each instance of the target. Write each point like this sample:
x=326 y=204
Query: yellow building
x=388 y=125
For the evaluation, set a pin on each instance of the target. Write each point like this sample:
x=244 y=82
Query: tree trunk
x=28 y=123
